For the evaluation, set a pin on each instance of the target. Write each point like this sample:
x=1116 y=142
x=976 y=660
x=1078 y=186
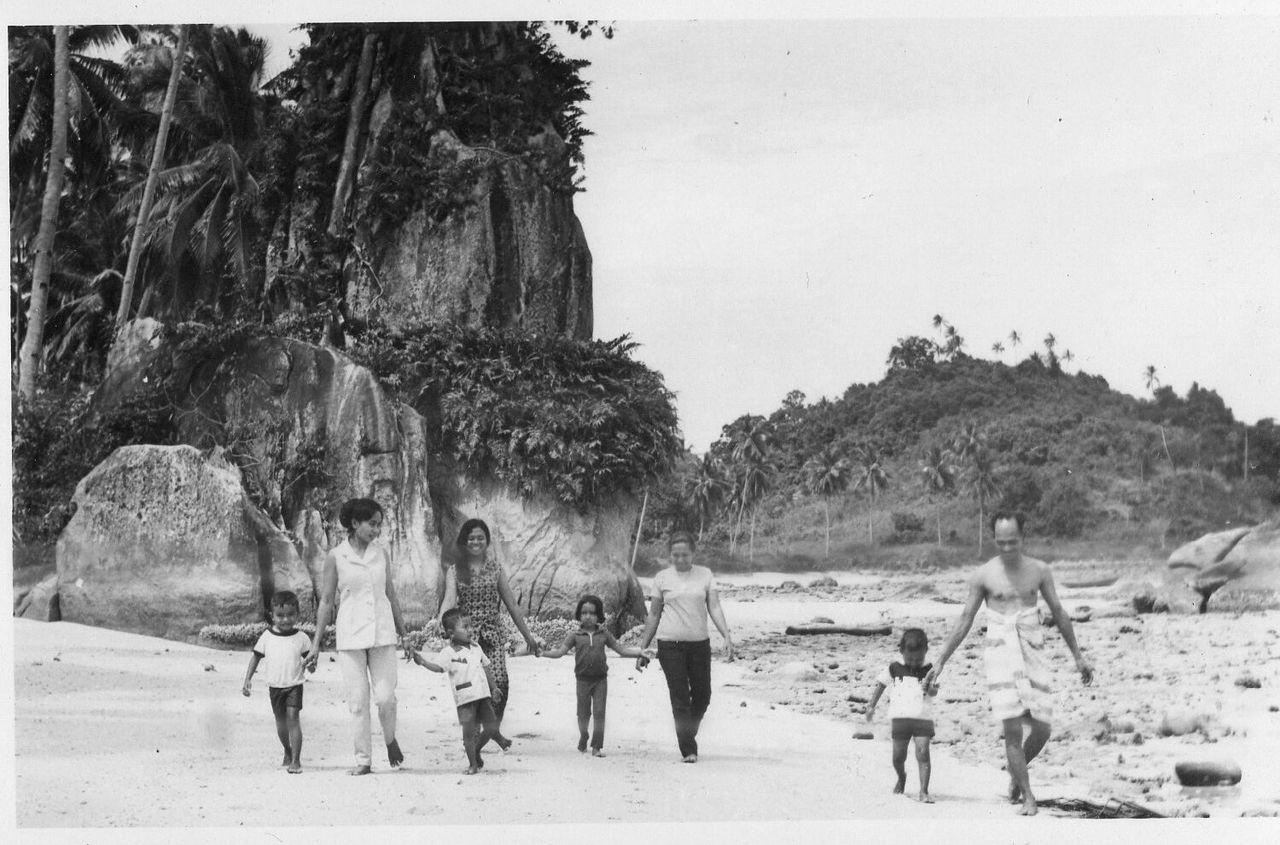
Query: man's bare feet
x=596 y=752
x=295 y=768
x=1028 y=807
x=900 y=787
x=926 y=798
x=394 y=756
x=288 y=757
x=472 y=770
x=360 y=770
x=1015 y=793
x=502 y=742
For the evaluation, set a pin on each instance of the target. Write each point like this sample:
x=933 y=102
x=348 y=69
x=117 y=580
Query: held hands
x=931 y=679
x=534 y=645
x=728 y=650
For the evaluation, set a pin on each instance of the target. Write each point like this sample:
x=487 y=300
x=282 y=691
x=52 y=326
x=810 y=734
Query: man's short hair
x=284 y=598
x=1017 y=517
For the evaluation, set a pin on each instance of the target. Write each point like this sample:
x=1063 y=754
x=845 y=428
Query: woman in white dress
x=358 y=573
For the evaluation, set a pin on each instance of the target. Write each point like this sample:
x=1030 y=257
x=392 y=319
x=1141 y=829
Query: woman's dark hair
x=469 y=526
x=682 y=537
x=358 y=510
x=589 y=599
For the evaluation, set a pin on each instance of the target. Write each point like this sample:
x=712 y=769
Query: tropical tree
x=968 y=440
x=874 y=477
x=1149 y=375
x=937 y=476
x=982 y=482
x=1015 y=339
x=826 y=474
x=153 y=177
x=1049 y=342
x=707 y=489
x=997 y=347
x=33 y=343
x=757 y=477
x=748 y=439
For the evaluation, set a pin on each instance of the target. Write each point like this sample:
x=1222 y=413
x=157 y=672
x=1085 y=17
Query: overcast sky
x=771 y=203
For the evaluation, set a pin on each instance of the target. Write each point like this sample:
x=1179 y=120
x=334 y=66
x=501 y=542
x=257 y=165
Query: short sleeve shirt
x=906 y=691
x=281 y=656
x=589 y=659
x=684 y=603
x=466 y=672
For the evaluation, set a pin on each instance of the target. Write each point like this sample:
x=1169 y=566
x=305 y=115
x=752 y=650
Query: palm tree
x=938 y=322
x=1049 y=342
x=826 y=474
x=707 y=489
x=982 y=482
x=1068 y=356
x=873 y=476
x=176 y=60
x=1150 y=375
x=1015 y=339
x=203 y=225
x=969 y=439
x=29 y=355
x=937 y=476
x=997 y=347
x=756 y=478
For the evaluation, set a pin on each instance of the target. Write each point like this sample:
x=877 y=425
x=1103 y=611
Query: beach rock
x=1208 y=772
x=798 y=671
x=789 y=586
x=552 y=553
x=41 y=601
x=1243 y=560
x=164 y=541
x=825 y=582
x=822 y=620
x=1248 y=681
x=863 y=735
x=1206 y=551
x=1183 y=723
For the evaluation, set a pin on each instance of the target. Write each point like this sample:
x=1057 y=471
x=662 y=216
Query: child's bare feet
x=394 y=756
x=900 y=787
x=360 y=770
x=596 y=752
x=295 y=768
x=473 y=770
x=582 y=744
x=926 y=798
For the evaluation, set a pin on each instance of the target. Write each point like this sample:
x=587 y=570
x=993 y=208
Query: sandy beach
x=115 y=730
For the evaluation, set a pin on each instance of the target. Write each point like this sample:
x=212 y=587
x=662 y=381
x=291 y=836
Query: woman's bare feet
x=394 y=756
x=288 y=757
x=596 y=752
x=472 y=770
x=690 y=758
x=1028 y=808
x=295 y=768
x=360 y=770
x=900 y=787
x=1015 y=794
x=926 y=798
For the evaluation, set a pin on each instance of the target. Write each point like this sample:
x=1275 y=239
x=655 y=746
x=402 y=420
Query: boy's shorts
x=282 y=697
x=908 y=728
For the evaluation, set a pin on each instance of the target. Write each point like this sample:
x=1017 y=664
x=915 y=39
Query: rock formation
x=1238 y=560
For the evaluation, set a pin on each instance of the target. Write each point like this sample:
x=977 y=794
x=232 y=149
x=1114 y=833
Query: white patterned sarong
x=1017 y=672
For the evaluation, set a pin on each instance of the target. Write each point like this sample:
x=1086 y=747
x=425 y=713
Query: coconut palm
x=1050 y=341
x=981 y=481
x=757 y=477
x=874 y=477
x=1149 y=374
x=997 y=347
x=969 y=439
x=707 y=489
x=1015 y=339
x=33 y=343
x=937 y=476
x=826 y=474
x=1068 y=356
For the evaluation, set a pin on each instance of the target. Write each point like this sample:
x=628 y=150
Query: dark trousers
x=592 y=693
x=479 y=725
x=687 y=666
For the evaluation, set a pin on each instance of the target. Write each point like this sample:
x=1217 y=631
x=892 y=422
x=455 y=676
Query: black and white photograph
x=725 y=421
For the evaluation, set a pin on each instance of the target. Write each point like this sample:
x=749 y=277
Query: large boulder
x=513 y=256
x=41 y=602
x=164 y=541
x=1245 y=560
x=551 y=553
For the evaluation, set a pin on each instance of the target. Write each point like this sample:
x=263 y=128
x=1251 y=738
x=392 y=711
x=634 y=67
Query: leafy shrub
x=245 y=634
x=907 y=522
x=1020 y=490
x=576 y=419
x=1065 y=510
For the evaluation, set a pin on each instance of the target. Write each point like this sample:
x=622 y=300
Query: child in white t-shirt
x=283 y=647
x=910 y=708
x=472 y=683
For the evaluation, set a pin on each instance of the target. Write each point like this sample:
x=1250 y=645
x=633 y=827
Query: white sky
x=771 y=203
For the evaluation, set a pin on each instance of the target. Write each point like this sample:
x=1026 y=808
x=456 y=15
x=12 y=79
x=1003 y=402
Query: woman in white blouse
x=368 y=627
x=684 y=595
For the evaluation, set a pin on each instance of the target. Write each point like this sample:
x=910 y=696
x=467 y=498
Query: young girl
x=591 y=668
x=910 y=710
x=471 y=680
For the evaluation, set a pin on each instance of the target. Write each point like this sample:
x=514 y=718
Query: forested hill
x=915 y=456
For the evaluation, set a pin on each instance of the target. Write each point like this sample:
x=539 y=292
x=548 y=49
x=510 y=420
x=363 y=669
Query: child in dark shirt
x=591 y=668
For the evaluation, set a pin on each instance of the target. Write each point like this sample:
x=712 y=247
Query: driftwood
x=857 y=631
x=1092 y=582
x=1112 y=809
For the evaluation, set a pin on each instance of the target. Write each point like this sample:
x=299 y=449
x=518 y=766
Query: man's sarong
x=1017 y=673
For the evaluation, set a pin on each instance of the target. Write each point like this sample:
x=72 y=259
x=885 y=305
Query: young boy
x=591 y=668
x=471 y=681
x=910 y=708
x=284 y=648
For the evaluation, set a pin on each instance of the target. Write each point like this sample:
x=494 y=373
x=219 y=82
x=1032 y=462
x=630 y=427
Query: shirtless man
x=1017 y=676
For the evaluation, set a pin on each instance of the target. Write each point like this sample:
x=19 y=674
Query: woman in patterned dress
x=478 y=587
